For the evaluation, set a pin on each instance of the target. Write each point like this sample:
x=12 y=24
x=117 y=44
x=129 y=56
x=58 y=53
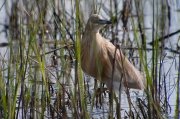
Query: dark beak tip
x=105 y=22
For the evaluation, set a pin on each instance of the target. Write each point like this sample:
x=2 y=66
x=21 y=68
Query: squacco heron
x=101 y=60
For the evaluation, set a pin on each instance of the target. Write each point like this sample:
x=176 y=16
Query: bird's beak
x=101 y=21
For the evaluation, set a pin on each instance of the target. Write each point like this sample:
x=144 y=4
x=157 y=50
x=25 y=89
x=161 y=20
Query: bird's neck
x=91 y=40
x=97 y=38
x=90 y=35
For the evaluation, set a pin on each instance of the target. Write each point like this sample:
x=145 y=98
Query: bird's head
x=95 y=22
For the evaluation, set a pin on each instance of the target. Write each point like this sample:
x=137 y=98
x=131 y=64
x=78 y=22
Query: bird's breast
x=90 y=59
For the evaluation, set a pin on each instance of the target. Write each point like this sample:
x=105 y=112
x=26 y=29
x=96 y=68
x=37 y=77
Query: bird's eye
x=94 y=20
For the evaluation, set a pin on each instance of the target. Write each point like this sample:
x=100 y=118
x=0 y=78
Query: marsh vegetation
x=40 y=71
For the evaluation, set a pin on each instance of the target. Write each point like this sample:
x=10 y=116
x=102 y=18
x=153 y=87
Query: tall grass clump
x=155 y=82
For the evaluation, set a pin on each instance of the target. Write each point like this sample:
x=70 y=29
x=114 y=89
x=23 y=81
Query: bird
x=102 y=60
